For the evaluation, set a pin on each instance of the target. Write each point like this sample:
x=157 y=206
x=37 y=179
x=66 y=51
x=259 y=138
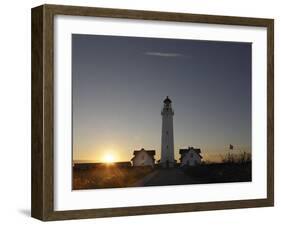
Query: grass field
x=220 y=172
x=108 y=177
x=94 y=176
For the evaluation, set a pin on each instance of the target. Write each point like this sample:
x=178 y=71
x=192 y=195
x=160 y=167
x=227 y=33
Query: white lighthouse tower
x=167 y=141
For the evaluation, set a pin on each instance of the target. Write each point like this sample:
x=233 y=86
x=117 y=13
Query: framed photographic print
x=141 y=112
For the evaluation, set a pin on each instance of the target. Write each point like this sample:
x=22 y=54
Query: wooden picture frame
x=42 y=203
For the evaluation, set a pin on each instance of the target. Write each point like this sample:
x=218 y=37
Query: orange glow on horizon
x=109 y=158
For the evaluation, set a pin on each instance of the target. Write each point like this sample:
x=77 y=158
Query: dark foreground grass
x=220 y=172
x=110 y=176
x=113 y=176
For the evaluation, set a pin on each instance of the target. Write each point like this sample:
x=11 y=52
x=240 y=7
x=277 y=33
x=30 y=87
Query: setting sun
x=109 y=158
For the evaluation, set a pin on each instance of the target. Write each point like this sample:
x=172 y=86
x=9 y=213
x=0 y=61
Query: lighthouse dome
x=167 y=100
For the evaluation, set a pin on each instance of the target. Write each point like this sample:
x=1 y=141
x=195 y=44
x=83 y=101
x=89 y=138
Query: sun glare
x=109 y=158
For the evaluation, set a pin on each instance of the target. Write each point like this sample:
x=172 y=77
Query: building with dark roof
x=190 y=157
x=143 y=158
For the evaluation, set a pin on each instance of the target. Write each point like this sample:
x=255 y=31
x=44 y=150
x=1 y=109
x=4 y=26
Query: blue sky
x=119 y=84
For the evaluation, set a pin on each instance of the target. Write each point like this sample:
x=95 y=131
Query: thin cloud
x=163 y=54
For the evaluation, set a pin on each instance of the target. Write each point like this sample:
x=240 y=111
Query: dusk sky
x=119 y=84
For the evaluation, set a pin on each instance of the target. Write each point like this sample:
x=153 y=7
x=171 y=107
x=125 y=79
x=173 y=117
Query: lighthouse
x=167 y=141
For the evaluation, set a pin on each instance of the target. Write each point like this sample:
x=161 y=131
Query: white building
x=143 y=158
x=167 y=140
x=190 y=157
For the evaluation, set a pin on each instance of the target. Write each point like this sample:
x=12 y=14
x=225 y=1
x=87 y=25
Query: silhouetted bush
x=240 y=158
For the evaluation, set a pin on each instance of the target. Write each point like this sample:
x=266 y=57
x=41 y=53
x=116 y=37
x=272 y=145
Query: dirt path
x=172 y=176
x=146 y=179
